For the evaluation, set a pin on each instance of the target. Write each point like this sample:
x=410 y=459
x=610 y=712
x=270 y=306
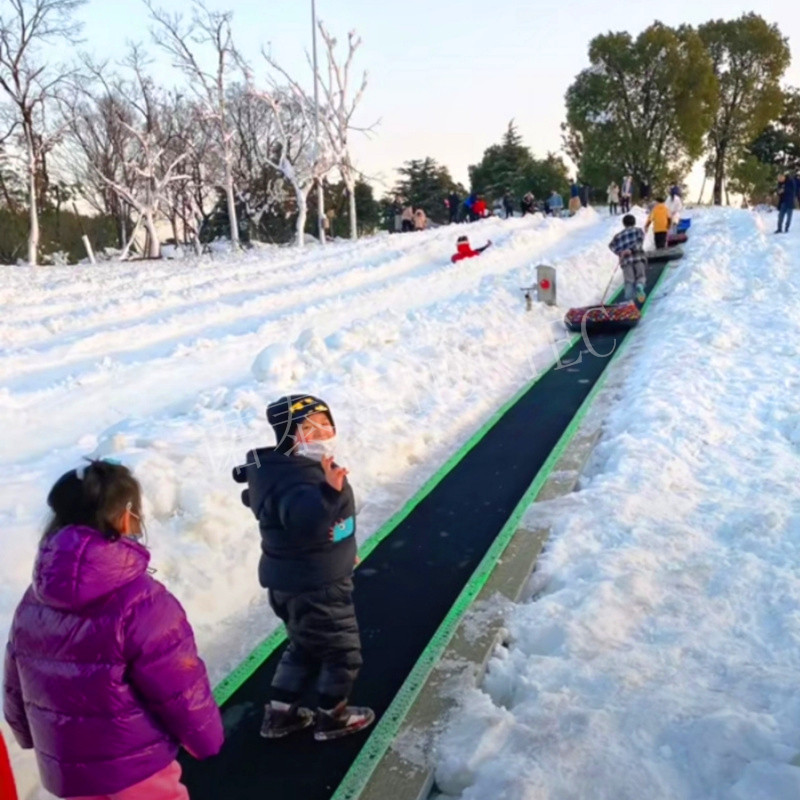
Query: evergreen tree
x=511 y=167
x=426 y=184
x=504 y=167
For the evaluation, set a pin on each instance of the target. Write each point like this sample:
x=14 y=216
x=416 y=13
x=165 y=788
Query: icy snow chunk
x=277 y=363
x=763 y=781
x=310 y=344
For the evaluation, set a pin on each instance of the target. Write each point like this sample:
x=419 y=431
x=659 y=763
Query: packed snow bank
x=169 y=366
x=660 y=655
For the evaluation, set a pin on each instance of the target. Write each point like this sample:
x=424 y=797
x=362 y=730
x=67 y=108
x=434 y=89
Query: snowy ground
x=163 y=367
x=660 y=656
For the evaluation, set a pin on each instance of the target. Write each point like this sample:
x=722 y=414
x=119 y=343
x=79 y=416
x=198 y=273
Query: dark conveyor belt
x=405 y=589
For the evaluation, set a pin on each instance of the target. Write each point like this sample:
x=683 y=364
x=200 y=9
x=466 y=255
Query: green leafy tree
x=753 y=178
x=426 y=184
x=748 y=58
x=643 y=106
x=545 y=174
x=779 y=143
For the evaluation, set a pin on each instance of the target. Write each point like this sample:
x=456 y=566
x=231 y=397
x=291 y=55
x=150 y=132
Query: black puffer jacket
x=307 y=527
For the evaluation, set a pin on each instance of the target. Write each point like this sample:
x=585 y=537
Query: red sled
x=603 y=319
x=676 y=238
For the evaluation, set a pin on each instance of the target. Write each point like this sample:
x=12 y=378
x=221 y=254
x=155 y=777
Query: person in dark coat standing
x=508 y=204
x=454 y=206
x=306 y=515
x=102 y=677
x=788 y=191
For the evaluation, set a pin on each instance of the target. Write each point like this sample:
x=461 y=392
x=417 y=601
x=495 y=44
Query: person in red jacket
x=8 y=790
x=480 y=207
x=464 y=250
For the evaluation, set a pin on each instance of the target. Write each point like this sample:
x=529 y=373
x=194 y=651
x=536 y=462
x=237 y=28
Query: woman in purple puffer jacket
x=102 y=677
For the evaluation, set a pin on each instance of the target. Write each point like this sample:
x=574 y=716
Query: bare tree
x=183 y=41
x=30 y=85
x=294 y=154
x=257 y=150
x=99 y=135
x=130 y=135
x=338 y=111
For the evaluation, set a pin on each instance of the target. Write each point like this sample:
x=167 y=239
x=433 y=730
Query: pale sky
x=445 y=76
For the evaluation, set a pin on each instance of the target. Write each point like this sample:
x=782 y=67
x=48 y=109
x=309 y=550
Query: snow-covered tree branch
x=31 y=86
x=184 y=42
x=339 y=106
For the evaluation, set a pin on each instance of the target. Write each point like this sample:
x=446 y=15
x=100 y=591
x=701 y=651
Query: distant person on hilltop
x=480 y=207
x=528 y=203
x=675 y=206
x=454 y=206
x=469 y=206
x=787 y=191
x=508 y=204
x=420 y=220
x=613 y=198
x=574 y=197
x=407 y=218
x=660 y=219
x=556 y=203
x=626 y=194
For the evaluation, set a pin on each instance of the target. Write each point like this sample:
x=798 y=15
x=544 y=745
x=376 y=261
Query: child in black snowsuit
x=306 y=515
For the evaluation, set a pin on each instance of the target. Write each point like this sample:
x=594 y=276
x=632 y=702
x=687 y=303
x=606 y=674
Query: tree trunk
x=124 y=254
x=719 y=176
x=702 y=189
x=234 y=224
x=321 y=211
x=302 y=213
x=351 y=198
x=123 y=229
x=33 y=233
x=154 y=250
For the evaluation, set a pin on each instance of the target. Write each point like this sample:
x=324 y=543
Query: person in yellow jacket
x=660 y=219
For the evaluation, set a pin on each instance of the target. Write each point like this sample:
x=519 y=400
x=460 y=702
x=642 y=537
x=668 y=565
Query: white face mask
x=318 y=449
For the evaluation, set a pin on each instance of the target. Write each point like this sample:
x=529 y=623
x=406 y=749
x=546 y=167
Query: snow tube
x=603 y=319
x=662 y=256
x=684 y=225
x=677 y=238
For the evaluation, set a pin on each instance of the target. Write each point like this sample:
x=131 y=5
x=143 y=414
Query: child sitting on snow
x=464 y=250
x=306 y=513
x=628 y=244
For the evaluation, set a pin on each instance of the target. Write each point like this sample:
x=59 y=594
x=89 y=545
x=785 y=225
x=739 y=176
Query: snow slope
x=168 y=368
x=661 y=654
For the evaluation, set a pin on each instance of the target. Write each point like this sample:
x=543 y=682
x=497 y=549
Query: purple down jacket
x=102 y=675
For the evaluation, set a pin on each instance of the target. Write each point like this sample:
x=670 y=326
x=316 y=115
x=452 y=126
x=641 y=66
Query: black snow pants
x=324 y=642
